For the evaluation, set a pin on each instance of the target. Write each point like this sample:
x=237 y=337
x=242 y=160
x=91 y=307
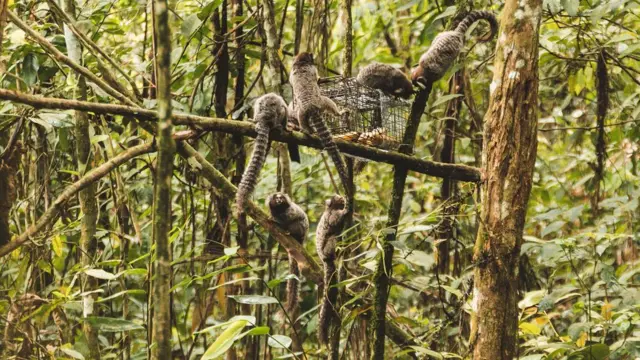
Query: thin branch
x=92 y=176
x=53 y=51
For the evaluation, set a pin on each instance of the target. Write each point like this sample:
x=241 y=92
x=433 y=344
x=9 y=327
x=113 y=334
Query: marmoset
x=329 y=228
x=309 y=106
x=387 y=79
x=294 y=220
x=447 y=45
x=270 y=112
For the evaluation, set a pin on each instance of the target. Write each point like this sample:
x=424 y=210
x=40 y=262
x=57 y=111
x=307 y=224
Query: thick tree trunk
x=509 y=157
x=162 y=192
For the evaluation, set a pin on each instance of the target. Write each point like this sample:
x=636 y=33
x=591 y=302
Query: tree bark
x=161 y=329
x=509 y=156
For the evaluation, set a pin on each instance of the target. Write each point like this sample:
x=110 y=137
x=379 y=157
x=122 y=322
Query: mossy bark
x=161 y=329
x=509 y=156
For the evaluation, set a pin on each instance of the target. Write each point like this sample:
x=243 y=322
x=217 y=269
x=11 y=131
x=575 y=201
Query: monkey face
x=278 y=202
x=304 y=58
x=336 y=202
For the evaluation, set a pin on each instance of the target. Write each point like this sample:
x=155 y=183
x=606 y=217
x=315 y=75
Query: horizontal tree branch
x=442 y=170
x=92 y=176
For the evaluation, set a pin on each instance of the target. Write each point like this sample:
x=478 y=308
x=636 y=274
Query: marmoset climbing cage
x=372 y=117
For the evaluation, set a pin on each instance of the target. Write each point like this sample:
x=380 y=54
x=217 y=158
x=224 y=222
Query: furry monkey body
x=270 y=112
x=386 y=78
x=309 y=106
x=447 y=45
x=329 y=228
x=294 y=220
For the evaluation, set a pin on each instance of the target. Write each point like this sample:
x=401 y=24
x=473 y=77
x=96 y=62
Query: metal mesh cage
x=371 y=118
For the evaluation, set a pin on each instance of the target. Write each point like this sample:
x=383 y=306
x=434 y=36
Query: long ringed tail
x=323 y=132
x=292 y=289
x=327 y=313
x=250 y=176
x=476 y=15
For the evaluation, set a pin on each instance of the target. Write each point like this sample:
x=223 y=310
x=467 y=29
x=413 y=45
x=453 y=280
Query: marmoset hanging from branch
x=270 y=112
x=329 y=228
x=447 y=45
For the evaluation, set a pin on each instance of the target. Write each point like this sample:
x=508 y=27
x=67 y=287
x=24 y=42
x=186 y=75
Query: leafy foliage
x=579 y=270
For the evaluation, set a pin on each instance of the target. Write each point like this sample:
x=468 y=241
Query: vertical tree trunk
x=448 y=189
x=87 y=197
x=162 y=193
x=274 y=65
x=383 y=272
x=509 y=157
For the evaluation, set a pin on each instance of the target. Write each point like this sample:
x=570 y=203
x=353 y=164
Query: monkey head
x=278 y=202
x=336 y=202
x=303 y=59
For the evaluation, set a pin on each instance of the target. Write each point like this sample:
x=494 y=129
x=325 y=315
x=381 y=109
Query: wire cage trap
x=371 y=117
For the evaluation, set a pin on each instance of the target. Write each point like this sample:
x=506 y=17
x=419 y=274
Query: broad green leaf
x=190 y=24
x=254 y=299
x=529 y=328
x=112 y=324
x=100 y=274
x=428 y=352
x=445 y=98
x=224 y=341
x=279 y=341
x=73 y=353
x=571 y=6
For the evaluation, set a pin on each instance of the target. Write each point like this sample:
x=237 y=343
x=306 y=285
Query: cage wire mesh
x=372 y=117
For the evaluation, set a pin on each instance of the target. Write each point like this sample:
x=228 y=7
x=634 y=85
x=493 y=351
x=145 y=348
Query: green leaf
x=571 y=6
x=260 y=330
x=224 y=340
x=254 y=299
x=445 y=98
x=279 y=341
x=428 y=352
x=118 y=294
x=190 y=24
x=206 y=11
x=595 y=352
x=112 y=324
x=551 y=228
x=100 y=274
x=73 y=353
x=529 y=328
x=448 y=12
x=30 y=66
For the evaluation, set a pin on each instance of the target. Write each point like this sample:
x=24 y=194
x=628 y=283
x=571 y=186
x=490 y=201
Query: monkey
x=447 y=45
x=309 y=106
x=328 y=229
x=386 y=78
x=270 y=112
x=294 y=220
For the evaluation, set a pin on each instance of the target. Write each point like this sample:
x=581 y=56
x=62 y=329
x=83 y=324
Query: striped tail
x=250 y=176
x=313 y=114
x=476 y=15
x=328 y=314
x=292 y=290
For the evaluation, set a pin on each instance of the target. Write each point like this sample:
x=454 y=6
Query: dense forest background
x=82 y=284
